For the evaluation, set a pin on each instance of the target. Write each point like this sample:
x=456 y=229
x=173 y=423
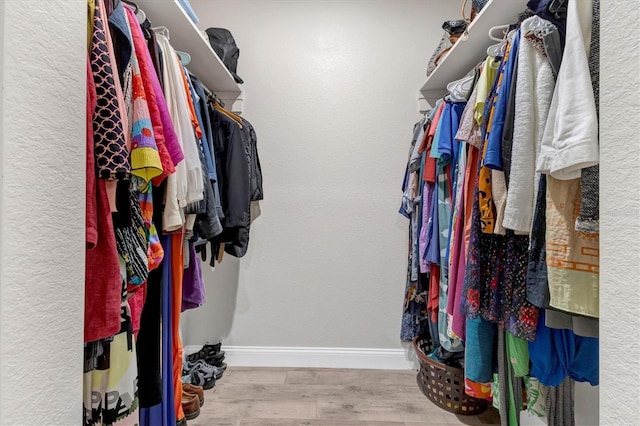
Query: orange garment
x=470 y=180
x=192 y=110
x=478 y=390
x=485 y=195
x=430 y=163
x=177 y=272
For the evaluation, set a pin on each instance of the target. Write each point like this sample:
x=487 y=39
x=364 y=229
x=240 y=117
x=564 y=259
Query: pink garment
x=458 y=323
x=136 y=303
x=148 y=74
x=456 y=282
x=153 y=88
x=457 y=256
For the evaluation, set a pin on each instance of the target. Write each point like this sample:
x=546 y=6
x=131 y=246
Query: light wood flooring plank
x=271 y=392
x=359 y=410
x=324 y=397
x=278 y=410
x=255 y=375
x=323 y=422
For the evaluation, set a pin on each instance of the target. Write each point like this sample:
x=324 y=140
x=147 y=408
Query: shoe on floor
x=216 y=362
x=207 y=351
x=201 y=365
x=194 y=390
x=199 y=378
x=190 y=406
x=182 y=422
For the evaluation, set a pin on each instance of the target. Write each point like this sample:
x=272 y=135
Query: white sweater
x=534 y=89
x=570 y=140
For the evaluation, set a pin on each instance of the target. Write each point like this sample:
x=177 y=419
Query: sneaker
x=200 y=378
x=216 y=362
x=212 y=349
x=200 y=365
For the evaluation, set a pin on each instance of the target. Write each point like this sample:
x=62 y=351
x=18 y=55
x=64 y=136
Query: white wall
x=42 y=155
x=620 y=221
x=331 y=88
x=41 y=313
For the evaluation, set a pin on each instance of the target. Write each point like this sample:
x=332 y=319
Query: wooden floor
x=295 y=396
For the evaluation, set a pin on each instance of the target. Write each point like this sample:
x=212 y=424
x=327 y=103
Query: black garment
x=149 y=343
x=120 y=36
x=537 y=283
x=507 y=132
x=207 y=223
x=154 y=50
x=234 y=182
x=254 y=164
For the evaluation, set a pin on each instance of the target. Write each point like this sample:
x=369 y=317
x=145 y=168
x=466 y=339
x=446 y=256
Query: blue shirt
x=493 y=159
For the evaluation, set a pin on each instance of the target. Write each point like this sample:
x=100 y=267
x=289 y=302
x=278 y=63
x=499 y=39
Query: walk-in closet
x=319 y=212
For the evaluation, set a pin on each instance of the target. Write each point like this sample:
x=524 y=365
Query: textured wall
x=620 y=222
x=331 y=88
x=42 y=142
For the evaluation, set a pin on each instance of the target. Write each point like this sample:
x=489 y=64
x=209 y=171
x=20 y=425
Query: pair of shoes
x=201 y=366
x=190 y=405
x=199 y=377
x=218 y=364
x=207 y=351
x=216 y=360
x=198 y=391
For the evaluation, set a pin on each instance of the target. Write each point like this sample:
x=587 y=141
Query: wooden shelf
x=465 y=54
x=186 y=37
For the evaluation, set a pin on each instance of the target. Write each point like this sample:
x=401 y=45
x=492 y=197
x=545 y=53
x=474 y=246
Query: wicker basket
x=444 y=385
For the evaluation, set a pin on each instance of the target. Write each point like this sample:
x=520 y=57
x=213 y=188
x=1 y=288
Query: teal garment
x=436 y=136
x=480 y=342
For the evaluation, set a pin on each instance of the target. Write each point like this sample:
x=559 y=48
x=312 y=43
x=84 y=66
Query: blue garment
x=206 y=147
x=151 y=416
x=447 y=145
x=556 y=354
x=186 y=6
x=122 y=34
x=213 y=173
x=493 y=159
x=435 y=148
x=432 y=253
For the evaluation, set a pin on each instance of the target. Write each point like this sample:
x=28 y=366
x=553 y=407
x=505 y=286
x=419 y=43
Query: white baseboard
x=365 y=358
